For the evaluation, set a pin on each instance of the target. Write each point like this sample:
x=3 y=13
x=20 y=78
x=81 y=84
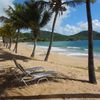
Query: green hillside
x=25 y=37
x=45 y=36
x=84 y=36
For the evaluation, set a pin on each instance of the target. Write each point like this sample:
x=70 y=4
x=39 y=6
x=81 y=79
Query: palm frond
x=45 y=18
x=3 y=19
x=73 y=3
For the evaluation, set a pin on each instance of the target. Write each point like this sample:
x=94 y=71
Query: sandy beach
x=74 y=70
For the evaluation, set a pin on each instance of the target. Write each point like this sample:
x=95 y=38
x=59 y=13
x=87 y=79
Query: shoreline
x=41 y=52
x=67 y=51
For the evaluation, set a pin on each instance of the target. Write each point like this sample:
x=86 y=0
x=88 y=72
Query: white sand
x=73 y=68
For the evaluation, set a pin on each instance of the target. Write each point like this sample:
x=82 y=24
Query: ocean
x=72 y=48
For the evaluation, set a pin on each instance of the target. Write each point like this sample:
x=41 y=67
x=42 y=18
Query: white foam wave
x=54 y=49
x=69 y=50
x=69 y=47
x=77 y=54
x=64 y=51
x=85 y=49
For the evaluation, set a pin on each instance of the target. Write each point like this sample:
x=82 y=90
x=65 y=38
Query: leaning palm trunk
x=7 y=42
x=16 y=43
x=51 y=38
x=10 y=42
x=34 y=48
x=3 y=40
x=91 y=70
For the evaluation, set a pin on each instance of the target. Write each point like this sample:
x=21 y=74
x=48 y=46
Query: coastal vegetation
x=45 y=35
x=84 y=36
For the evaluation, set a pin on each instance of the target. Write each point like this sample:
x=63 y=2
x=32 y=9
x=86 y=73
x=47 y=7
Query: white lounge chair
x=28 y=70
x=28 y=75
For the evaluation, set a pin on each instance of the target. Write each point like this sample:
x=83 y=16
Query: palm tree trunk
x=7 y=42
x=16 y=43
x=34 y=48
x=3 y=39
x=10 y=42
x=91 y=70
x=51 y=37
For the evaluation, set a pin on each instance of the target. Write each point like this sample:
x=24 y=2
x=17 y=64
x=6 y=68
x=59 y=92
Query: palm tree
x=3 y=35
x=7 y=33
x=30 y=15
x=16 y=41
x=58 y=6
x=12 y=19
x=16 y=22
x=92 y=78
x=5 y=30
x=34 y=17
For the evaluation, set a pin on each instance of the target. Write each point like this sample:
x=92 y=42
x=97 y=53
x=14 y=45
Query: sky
x=72 y=21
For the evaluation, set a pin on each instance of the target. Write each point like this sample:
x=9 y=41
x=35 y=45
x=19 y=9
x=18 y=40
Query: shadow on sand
x=9 y=84
x=4 y=56
x=53 y=96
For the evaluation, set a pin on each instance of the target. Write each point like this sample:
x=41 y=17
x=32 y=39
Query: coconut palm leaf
x=46 y=17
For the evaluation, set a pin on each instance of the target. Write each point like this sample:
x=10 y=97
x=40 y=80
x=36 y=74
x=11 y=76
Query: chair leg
x=44 y=78
x=24 y=82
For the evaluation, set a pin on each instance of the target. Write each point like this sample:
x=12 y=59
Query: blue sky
x=80 y=13
x=72 y=21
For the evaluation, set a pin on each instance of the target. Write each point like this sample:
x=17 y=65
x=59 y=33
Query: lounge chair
x=28 y=75
x=37 y=77
x=28 y=70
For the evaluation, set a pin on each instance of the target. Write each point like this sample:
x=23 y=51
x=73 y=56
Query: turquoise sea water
x=73 y=48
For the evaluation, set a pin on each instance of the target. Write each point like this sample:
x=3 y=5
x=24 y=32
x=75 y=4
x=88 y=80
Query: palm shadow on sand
x=8 y=84
x=4 y=56
x=54 y=96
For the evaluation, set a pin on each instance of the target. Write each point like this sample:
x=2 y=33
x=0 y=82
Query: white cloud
x=96 y=23
x=4 y=4
x=72 y=29
x=81 y=26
